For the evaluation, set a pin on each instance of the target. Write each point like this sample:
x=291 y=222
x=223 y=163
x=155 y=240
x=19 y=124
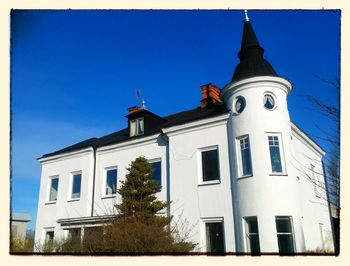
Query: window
x=210 y=165
x=252 y=235
x=48 y=242
x=240 y=104
x=76 y=185
x=136 y=127
x=74 y=234
x=246 y=163
x=157 y=173
x=275 y=155
x=53 y=189
x=284 y=234
x=111 y=181
x=269 y=101
x=214 y=232
x=321 y=234
x=49 y=236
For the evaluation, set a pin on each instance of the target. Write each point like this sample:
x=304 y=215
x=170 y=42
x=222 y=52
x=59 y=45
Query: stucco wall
x=64 y=207
x=120 y=156
x=195 y=200
x=315 y=209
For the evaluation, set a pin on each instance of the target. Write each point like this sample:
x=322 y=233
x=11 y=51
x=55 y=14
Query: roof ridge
x=121 y=135
x=167 y=116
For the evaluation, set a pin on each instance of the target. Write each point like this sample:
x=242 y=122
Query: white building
x=246 y=177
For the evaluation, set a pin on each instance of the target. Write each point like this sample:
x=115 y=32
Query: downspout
x=165 y=138
x=93 y=182
x=237 y=224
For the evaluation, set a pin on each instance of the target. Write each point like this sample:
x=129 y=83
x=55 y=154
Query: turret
x=264 y=185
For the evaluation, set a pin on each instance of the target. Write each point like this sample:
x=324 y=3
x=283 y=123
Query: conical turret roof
x=251 y=55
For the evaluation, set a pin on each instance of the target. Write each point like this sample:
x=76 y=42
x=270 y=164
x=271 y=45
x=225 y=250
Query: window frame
x=269 y=93
x=201 y=180
x=156 y=160
x=247 y=245
x=240 y=159
x=49 y=187
x=204 y=222
x=71 y=186
x=70 y=235
x=281 y=153
x=46 y=232
x=244 y=103
x=322 y=236
x=137 y=127
x=104 y=186
x=290 y=218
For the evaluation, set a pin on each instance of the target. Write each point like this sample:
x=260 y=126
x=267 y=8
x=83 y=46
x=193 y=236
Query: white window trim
x=200 y=169
x=235 y=102
x=47 y=230
x=155 y=160
x=66 y=231
x=281 y=149
x=104 y=183
x=137 y=129
x=292 y=228
x=203 y=235
x=321 y=227
x=72 y=174
x=48 y=192
x=244 y=226
x=239 y=161
x=274 y=99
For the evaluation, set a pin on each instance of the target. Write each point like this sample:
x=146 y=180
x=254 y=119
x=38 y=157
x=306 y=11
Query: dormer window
x=141 y=121
x=136 y=127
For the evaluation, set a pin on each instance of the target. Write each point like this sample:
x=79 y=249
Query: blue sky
x=75 y=73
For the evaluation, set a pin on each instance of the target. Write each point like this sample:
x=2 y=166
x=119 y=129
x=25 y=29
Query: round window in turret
x=240 y=104
x=269 y=101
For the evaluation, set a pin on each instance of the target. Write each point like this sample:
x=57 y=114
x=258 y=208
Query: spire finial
x=246 y=18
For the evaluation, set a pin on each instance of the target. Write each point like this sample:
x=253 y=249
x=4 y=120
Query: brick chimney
x=210 y=95
x=134 y=109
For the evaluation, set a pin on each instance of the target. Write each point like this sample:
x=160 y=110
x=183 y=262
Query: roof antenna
x=138 y=97
x=246 y=18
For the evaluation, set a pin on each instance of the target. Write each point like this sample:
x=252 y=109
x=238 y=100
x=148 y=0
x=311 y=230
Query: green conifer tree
x=138 y=192
x=140 y=228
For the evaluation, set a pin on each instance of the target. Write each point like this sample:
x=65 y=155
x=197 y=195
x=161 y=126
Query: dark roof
x=251 y=55
x=169 y=121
